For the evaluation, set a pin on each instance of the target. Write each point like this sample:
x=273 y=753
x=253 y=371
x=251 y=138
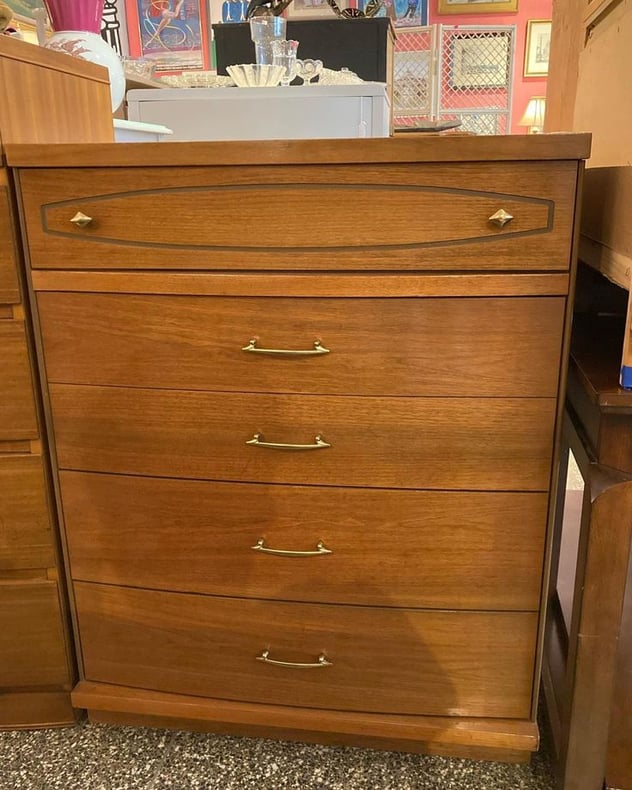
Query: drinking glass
x=284 y=54
x=263 y=31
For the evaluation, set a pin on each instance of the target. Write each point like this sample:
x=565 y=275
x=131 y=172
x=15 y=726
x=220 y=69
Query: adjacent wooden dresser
x=36 y=657
x=304 y=402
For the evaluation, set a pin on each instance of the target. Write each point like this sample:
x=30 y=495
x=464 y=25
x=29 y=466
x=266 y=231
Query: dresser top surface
x=408 y=149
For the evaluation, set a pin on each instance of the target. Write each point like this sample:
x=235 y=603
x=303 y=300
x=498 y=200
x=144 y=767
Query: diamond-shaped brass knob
x=501 y=218
x=81 y=220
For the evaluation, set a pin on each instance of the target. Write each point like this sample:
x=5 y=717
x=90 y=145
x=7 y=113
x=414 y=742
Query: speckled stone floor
x=99 y=757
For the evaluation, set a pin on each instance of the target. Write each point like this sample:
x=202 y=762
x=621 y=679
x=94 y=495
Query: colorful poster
x=404 y=13
x=24 y=8
x=172 y=33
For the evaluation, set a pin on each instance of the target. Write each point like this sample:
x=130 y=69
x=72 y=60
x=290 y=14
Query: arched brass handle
x=258 y=441
x=317 y=552
x=81 y=220
x=322 y=662
x=317 y=351
x=501 y=218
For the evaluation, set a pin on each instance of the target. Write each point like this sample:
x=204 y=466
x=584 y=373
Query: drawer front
x=453 y=346
x=446 y=443
x=401 y=217
x=9 y=289
x=17 y=406
x=390 y=548
x=31 y=637
x=25 y=530
x=382 y=660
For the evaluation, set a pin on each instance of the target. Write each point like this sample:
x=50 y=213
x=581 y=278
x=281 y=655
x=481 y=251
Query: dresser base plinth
x=477 y=739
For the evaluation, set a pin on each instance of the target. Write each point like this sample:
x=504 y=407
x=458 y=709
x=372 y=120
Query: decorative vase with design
x=77 y=24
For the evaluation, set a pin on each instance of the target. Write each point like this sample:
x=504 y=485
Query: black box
x=362 y=45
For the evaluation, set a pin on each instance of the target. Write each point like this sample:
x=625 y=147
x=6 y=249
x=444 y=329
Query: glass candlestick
x=284 y=54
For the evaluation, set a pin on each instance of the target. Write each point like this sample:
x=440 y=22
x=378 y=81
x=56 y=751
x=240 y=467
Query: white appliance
x=283 y=113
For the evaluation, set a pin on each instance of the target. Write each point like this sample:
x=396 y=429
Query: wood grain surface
x=456 y=443
x=472 y=550
x=9 y=289
x=26 y=710
x=383 y=660
x=31 y=638
x=270 y=730
x=17 y=405
x=25 y=530
x=420 y=148
x=80 y=111
x=326 y=284
x=404 y=731
x=484 y=347
x=197 y=217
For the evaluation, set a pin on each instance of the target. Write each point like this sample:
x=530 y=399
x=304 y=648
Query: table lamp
x=534 y=115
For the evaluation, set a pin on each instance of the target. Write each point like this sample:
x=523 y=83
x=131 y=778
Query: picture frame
x=404 y=14
x=24 y=17
x=174 y=43
x=478 y=6
x=537 y=48
x=23 y=9
x=412 y=83
x=310 y=9
x=478 y=64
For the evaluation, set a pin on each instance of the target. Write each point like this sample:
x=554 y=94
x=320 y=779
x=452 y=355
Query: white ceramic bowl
x=252 y=75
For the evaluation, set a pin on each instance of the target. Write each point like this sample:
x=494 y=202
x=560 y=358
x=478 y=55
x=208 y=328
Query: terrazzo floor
x=100 y=757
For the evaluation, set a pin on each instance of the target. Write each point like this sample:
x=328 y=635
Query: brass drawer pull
x=318 y=350
x=318 y=551
x=501 y=218
x=258 y=441
x=322 y=662
x=81 y=220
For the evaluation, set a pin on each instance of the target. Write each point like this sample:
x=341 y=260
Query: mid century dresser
x=304 y=406
x=36 y=655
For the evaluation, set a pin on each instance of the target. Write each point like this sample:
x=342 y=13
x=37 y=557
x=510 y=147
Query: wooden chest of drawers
x=304 y=451
x=35 y=657
x=37 y=668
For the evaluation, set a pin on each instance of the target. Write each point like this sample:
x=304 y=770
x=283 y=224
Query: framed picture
x=536 y=55
x=310 y=9
x=478 y=6
x=23 y=9
x=480 y=61
x=23 y=17
x=403 y=13
x=412 y=83
x=172 y=33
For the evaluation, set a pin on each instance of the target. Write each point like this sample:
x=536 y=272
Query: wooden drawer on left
x=9 y=289
x=32 y=642
x=17 y=404
x=25 y=529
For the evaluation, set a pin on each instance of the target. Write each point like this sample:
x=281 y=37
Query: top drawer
x=351 y=217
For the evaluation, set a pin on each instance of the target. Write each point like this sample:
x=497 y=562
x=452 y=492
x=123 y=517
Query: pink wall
x=524 y=87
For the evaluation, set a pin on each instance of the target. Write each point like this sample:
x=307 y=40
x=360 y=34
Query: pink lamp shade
x=82 y=15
